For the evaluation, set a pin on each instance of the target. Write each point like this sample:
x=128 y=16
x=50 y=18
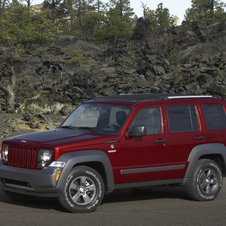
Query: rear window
x=182 y=118
x=215 y=116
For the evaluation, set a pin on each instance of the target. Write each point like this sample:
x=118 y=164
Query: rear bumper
x=28 y=181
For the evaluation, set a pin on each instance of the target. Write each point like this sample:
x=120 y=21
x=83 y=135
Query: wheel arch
x=219 y=159
x=214 y=151
x=96 y=159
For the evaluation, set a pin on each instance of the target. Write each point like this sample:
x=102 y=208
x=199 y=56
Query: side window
x=215 y=116
x=151 y=118
x=182 y=118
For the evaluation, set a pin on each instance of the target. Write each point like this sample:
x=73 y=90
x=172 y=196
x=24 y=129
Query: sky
x=176 y=7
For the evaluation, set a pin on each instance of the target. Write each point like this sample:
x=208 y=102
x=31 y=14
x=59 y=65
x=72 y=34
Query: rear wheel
x=206 y=181
x=83 y=191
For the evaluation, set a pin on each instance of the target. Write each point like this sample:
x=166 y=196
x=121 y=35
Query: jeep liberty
x=121 y=141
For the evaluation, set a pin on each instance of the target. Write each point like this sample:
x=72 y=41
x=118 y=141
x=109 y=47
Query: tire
x=206 y=182
x=83 y=191
x=19 y=197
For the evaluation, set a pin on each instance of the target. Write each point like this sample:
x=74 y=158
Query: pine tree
x=159 y=18
x=57 y=9
x=123 y=6
x=20 y=27
x=113 y=27
x=206 y=10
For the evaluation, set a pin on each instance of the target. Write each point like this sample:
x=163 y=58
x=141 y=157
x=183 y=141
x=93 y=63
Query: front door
x=143 y=158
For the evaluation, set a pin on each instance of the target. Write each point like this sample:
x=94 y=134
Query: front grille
x=23 y=157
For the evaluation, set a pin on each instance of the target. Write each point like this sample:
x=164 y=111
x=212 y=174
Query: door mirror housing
x=137 y=131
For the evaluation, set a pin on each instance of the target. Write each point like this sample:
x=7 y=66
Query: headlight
x=44 y=157
x=5 y=153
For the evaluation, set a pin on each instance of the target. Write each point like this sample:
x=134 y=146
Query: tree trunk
x=212 y=5
x=10 y=96
x=10 y=99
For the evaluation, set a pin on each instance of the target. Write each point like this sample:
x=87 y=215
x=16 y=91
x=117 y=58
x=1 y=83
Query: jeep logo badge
x=24 y=141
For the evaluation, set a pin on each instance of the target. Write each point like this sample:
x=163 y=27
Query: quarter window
x=215 y=116
x=182 y=118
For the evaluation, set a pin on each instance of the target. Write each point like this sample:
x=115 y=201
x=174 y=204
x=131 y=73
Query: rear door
x=185 y=131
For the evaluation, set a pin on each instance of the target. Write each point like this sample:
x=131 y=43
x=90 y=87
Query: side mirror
x=137 y=131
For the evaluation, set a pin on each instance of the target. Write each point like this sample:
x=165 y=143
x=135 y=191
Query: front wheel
x=83 y=191
x=206 y=181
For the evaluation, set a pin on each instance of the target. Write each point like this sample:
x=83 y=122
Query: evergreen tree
x=3 y=6
x=206 y=10
x=79 y=8
x=123 y=6
x=91 y=22
x=20 y=27
x=113 y=27
x=100 y=6
x=159 y=18
x=57 y=9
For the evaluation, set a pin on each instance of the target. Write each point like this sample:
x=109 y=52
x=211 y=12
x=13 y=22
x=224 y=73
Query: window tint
x=215 y=116
x=151 y=118
x=182 y=118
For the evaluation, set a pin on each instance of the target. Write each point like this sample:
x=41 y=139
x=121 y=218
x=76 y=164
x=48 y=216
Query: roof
x=138 y=97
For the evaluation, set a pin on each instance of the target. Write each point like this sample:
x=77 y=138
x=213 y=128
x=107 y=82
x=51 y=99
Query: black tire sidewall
x=208 y=164
x=95 y=177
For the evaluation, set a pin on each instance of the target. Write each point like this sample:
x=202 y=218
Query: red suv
x=121 y=141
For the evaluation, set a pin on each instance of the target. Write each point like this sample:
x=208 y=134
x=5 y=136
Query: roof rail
x=191 y=96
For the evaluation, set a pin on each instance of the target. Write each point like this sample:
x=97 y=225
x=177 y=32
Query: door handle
x=161 y=141
x=198 y=137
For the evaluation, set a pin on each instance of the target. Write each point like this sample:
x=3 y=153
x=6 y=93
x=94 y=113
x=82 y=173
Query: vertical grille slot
x=35 y=158
x=23 y=157
x=17 y=156
x=30 y=158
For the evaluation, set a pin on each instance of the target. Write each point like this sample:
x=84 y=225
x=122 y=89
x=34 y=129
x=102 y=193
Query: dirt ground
x=14 y=124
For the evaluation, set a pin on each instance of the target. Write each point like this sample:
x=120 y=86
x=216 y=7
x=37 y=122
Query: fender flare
x=77 y=157
x=197 y=152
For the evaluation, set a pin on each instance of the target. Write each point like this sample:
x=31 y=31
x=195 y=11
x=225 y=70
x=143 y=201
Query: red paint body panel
x=127 y=154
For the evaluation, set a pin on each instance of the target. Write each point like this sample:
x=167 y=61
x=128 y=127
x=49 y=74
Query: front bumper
x=28 y=181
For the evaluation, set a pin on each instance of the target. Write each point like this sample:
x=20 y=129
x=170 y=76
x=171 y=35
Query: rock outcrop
x=188 y=59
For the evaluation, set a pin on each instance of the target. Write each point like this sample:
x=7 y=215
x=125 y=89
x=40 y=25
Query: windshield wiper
x=88 y=128
x=68 y=126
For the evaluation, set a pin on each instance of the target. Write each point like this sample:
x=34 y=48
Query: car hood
x=60 y=137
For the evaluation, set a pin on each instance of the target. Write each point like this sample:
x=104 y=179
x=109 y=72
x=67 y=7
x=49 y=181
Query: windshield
x=98 y=117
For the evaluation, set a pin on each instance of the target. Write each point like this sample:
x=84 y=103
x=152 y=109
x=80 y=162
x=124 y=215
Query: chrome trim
x=111 y=151
x=180 y=97
x=110 y=141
